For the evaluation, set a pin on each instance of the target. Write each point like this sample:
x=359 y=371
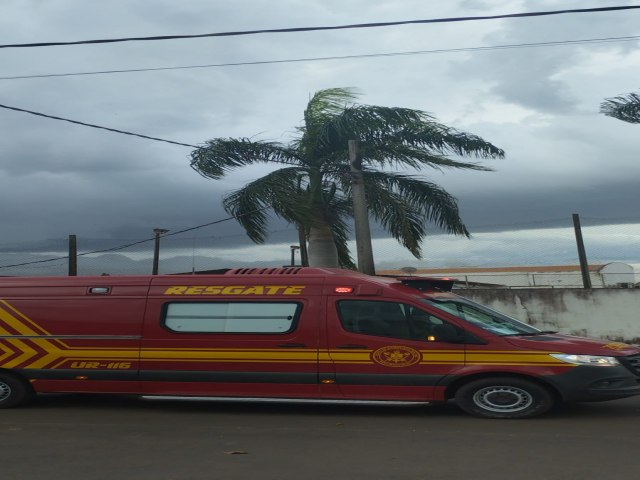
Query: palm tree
x=625 y=108
x=311 y=189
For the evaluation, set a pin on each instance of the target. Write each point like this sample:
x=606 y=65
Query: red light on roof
x=343 y=290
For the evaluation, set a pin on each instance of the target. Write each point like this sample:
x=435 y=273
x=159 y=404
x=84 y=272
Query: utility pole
x=73 y=256
x=360 y=211
x=582 y=255
x=302 y=239
x=156 y=249
x=293 y=254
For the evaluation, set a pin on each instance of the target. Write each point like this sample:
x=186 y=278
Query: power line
x=122 y=247
x=5 y=248
x=336 y=27
x=97 y=126
x=340 y=57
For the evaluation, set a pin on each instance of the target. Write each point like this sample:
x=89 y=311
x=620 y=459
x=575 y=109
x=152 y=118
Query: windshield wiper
x=529 y=334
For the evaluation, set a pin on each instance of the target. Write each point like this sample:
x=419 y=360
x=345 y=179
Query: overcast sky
x=539 y=104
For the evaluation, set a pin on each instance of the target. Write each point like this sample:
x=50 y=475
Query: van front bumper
x=592 y=384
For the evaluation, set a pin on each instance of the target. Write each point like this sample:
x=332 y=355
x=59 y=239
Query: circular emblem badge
x=396 y=356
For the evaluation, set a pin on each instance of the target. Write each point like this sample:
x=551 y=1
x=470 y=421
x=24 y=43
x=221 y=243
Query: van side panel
x=76 y=334
x=190 y=349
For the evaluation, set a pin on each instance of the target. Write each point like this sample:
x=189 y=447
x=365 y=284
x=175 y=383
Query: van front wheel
x=13 y=391
x=504 y=397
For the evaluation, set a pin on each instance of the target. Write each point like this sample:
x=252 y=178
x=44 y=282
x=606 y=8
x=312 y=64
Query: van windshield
x=483 y=317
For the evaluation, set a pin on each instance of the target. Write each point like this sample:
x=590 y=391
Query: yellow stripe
x=349 y=356
x=510 y=352
x=74 y=359
x=59 y=352
x=240 y=360
x=5 y=351
x=359 y=362
x=16 y=324
x=531 y=364
x=513 y=358
x=458 y=357
x=26 y=353
x=229 y=355
x=183 y=349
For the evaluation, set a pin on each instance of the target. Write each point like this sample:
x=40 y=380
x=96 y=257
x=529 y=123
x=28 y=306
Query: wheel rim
x=503 y=399
x=5 y=391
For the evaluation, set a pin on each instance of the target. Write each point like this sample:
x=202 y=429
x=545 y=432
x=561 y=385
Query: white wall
x=600 y=313
x=610 y=275
x=615 y=273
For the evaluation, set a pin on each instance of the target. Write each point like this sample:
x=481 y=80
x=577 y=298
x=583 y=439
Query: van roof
x=420 y=283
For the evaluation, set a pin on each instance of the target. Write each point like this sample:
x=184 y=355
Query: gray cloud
x=528 y=77
x=540 y=105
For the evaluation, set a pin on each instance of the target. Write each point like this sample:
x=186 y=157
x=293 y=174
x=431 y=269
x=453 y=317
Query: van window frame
x=411 y=327
x=494 y=323
x=294 y=322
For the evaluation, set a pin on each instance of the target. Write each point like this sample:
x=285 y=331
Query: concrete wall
x=600 y=313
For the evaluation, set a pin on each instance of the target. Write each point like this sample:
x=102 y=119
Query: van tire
x=504 y=397
x=14 y=390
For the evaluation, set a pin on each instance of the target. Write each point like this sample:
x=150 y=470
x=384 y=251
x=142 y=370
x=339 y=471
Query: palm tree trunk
x=322 y=248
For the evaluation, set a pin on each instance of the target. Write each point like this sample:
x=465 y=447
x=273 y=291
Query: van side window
x=389 y=319
x=231 y=317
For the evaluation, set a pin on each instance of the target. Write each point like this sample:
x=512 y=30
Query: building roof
x=516 y=269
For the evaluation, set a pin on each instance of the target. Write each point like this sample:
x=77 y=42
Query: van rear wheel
x=504 y=397
x=13 y=391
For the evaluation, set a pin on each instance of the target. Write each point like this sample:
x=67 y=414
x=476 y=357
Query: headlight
x=594 y=360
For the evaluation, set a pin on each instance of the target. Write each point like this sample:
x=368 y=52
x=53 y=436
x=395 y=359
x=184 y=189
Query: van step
x=284 y=400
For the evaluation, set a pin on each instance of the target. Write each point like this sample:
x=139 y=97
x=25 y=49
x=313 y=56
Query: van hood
x=573 y=345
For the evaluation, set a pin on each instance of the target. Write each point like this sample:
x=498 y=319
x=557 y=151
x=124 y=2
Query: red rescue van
x=294 y=333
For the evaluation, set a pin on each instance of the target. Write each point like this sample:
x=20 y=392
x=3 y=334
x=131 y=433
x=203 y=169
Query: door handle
x=353 y=347
x=291 y=345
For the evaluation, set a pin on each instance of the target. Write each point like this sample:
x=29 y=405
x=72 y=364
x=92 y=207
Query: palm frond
x=221 y=155
x=403 y=155
x=328 y=103
x=400 y=128
x=322 y=107
x=431 y=200
x=625 y=107
x=443 y=140
x=278 y=191
x=403 y=205
x=341 y=236
x=399 y=218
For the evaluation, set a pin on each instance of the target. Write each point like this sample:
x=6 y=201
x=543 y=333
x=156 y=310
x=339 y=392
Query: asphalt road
x=118 y=438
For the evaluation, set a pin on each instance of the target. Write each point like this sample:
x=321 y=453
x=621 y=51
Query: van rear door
x=73 y=334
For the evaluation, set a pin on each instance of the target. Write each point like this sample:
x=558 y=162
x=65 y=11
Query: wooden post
x=158 y=232
x=582 y=255
x=360 y=211
x=73 y=256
